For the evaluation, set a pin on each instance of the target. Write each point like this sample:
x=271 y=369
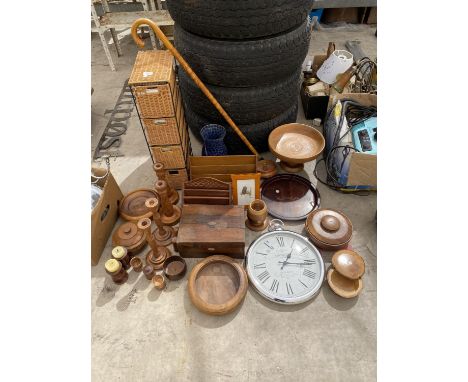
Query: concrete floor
x=141 y=334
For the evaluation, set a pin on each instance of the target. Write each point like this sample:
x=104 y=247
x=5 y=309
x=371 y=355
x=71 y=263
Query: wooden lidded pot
x=345 y=275
x=329 y=229
x=114 y=268
x=129 y=236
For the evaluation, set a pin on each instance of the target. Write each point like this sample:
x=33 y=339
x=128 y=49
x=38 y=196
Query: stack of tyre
x=249 y=53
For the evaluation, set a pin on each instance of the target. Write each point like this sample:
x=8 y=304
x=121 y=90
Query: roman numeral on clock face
x=274 y=286
x=280 y=240
x=309 y=273
x=267 y=243
x=259 y=266
x=310 y=261
x=303 y=250
x=264 y=276
x=289 y=288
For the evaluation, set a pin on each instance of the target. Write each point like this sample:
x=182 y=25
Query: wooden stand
x=157 y=254
x=170 y=214
x=162 y=234
x=172 y=194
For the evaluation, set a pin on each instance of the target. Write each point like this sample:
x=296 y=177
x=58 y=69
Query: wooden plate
x=132 y=207
x=343 y=286
x=217 y=285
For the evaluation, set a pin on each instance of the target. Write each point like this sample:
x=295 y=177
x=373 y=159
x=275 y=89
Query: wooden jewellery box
x=206 y=230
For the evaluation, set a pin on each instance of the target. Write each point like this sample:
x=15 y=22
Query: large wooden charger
x=295 y=144
x=329 y=229
x=217 y=285
x=133 y=207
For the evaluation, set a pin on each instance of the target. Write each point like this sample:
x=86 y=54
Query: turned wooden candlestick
x=162 y=234
x=172 y=194
x=156 y=254
x=170 y=214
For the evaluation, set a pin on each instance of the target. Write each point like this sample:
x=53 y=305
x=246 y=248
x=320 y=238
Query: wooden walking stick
x=190 y=72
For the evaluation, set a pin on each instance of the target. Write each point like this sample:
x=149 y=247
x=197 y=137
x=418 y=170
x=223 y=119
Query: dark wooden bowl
x=174 y=267
x=217 y=285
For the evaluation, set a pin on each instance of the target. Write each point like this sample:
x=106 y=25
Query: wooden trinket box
x=206 y=230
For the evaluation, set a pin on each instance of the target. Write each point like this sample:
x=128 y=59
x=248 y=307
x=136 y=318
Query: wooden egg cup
x=157 y=254
x=172 y=194
x=170 y=214
x=257 y=213
x=162 y=234
x=159 y=282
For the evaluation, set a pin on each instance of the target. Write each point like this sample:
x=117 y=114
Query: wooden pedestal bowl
x=217 y=285
x=295 y=144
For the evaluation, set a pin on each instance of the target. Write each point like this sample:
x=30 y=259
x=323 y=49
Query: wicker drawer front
x=162 y=131
x=154 y=101
x=169 y=156
x=177 y=177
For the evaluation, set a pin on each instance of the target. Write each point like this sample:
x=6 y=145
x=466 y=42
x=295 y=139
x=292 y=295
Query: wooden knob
x=330 y=223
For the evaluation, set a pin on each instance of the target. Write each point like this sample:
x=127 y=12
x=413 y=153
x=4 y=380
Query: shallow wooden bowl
x=217 y=285
x=343 y=286
x=295 y=144
x=174 y=267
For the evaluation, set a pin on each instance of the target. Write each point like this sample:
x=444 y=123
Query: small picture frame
x=245 y=188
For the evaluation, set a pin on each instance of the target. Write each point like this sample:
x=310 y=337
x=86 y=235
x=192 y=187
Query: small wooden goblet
x=257 y=215
x=157 y=254
x=159 y=282
x=162 y=234
x=136 y=264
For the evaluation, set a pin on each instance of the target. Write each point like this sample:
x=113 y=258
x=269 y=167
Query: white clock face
x=285 y=267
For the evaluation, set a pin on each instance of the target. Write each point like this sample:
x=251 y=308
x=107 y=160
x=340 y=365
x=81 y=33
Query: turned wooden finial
x=170 y=214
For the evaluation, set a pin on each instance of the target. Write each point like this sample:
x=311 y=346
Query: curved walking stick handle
x=189 y=71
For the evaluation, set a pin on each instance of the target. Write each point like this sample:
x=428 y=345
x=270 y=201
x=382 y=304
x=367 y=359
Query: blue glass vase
x=213 y=140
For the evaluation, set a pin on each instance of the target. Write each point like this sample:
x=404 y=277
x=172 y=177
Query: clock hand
x=287 y=257
x=288 y=262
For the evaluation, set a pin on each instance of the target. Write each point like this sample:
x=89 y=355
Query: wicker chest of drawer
x=159 y=105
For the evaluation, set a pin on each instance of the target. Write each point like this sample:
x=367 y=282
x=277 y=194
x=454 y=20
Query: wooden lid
x=349 y=264
x=151 y=66
x=119 y=252
x=267 y=168
x=343 y=286
x=133 y=206
x=128 y=235
x=329 y=226
x=112 y=265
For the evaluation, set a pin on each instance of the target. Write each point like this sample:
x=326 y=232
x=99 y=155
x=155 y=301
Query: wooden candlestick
x=172 y=194
x=156 y=254
x=162 y=234
x=170 y=214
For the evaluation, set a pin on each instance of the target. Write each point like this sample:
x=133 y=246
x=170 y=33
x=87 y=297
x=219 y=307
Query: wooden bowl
x=217 y=285
x=294 y=144
x=174 y=267
x=343 y=286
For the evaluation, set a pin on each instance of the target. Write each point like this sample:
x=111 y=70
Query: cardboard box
x=104 y=214
x=362 y=167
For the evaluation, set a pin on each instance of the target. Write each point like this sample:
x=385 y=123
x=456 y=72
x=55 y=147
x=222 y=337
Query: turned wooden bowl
x=217 y=285
x=342 y=285
x=174 y=267
x=295 y=144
